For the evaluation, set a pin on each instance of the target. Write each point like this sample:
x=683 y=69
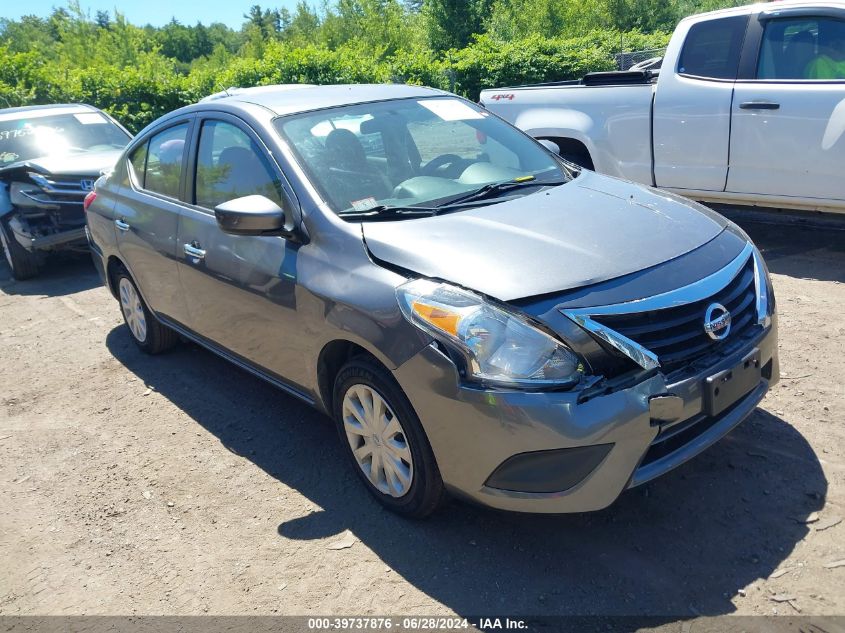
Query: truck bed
x=610 y=78
x=609 y=114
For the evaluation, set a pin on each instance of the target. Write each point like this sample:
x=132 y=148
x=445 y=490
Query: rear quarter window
x=165 y=153
x=137 y=165
x=712 y=48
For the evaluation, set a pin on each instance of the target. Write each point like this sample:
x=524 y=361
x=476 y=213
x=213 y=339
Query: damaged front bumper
x=45 y=238
x=556 y=452
x=45 y=213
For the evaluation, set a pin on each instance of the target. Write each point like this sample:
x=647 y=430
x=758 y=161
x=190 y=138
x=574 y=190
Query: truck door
x=788 y=136
x=692 y=104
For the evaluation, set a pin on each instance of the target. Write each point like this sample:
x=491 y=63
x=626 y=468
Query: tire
x=392 y=446
x=23 y=263
x=149 y=334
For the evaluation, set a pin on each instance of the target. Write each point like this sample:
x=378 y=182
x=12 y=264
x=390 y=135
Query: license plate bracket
x=725 y=388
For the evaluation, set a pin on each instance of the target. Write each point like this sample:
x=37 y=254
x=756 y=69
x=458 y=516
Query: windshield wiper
x=385 y=212
x=493 y=189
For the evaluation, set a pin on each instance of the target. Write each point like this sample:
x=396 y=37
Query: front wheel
x=23 y=263
x=385 y=440
x=152 y=336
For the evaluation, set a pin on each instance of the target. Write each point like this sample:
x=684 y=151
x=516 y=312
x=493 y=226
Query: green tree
x=177 y=41
x=511 y=19
x=644 y=15
x=452 y=23
x=378 y=26
x=103 y=19
x=303 y=26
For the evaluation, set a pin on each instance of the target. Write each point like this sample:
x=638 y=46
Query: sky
x=155 y=12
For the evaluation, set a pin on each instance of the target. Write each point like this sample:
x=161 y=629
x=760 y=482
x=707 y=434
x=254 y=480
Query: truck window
x=807 y=48
x=712 y=48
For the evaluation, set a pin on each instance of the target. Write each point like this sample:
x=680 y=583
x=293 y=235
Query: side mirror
x=253 y=215
x=549 y=145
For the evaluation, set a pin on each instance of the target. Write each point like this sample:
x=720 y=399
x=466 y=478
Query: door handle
x=759 y=105
x=121 y=224
x=191 y=250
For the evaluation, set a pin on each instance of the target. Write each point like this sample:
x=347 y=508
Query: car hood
x=592 y=229
x=77 y=163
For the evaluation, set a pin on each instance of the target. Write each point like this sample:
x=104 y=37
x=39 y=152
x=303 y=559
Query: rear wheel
x=152 y=336
x=23 y=263
x=385 y=440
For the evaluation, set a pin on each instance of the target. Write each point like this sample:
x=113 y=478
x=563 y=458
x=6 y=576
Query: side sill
x=238 y=361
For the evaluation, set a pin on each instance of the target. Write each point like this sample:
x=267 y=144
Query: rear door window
x=805 y=48
x=712 y=48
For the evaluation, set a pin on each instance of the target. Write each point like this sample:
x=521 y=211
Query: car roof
x=295 y=98
x=10 y=114
x=766 y=7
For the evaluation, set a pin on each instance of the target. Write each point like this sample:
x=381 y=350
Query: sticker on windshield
x=451 y=109
x=6 y=135
x=90 y=118
x=365 y=204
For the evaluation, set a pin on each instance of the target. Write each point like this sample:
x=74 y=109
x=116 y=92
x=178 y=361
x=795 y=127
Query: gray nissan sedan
x=478 y=316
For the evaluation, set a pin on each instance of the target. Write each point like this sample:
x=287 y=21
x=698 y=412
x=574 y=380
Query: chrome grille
x=676 y=334
x=64 y=185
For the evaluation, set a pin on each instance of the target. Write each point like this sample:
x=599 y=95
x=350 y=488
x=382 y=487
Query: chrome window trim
x=697 y=291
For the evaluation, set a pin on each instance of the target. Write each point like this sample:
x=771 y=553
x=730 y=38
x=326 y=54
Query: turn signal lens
x=438 y=317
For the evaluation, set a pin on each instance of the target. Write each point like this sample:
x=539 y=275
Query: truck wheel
x=149 y=334
x=385 y=441
x=24 y=264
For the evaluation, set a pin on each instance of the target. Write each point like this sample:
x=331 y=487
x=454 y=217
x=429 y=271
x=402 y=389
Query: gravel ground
x=182 y=485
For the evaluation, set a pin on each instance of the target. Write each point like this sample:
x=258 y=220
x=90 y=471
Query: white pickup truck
x=748 y=107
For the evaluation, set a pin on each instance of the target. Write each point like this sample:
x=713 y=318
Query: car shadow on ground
x=61 y=275
x=682 y=545
x=796 y=245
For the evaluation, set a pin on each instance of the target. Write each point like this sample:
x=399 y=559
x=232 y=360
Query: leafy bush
x=138 y=93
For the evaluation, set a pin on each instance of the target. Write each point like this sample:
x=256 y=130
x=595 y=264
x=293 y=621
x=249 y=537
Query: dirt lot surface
x=182 y=485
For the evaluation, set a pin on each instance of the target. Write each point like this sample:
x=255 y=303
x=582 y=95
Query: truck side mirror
x=549 y=145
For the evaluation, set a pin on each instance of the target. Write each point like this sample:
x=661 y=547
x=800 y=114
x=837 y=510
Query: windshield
x=34 y=136
x=412 y=152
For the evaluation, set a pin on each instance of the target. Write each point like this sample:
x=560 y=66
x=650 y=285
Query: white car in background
x=747 y=107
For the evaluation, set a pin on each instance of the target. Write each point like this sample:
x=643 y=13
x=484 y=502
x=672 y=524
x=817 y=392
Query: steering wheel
x=438 y=162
